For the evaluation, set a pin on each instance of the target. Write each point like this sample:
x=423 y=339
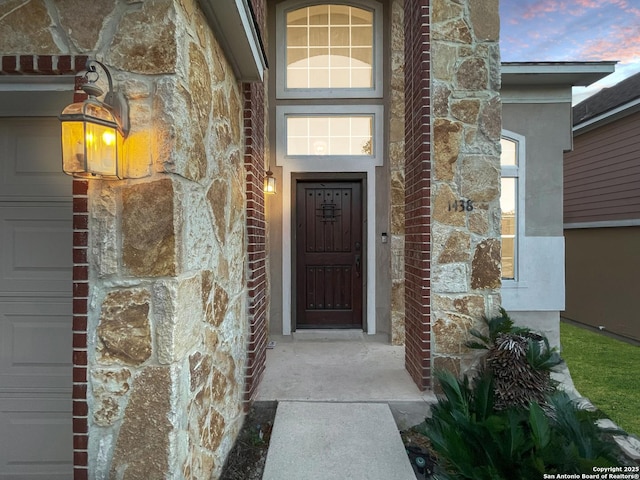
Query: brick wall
x=256 y=268
x=417 y=192
x=254 y=157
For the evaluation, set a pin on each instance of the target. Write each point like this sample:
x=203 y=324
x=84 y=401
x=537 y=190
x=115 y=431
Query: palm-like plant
x=520 y=361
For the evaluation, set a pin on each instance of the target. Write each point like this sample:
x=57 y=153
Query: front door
x=329 y=254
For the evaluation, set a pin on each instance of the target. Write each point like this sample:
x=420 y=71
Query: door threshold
x=321 y=335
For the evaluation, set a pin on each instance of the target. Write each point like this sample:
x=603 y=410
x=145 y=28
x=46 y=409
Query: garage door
x=35 y=301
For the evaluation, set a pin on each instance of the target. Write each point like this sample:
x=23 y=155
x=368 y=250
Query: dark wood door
x=329 y=255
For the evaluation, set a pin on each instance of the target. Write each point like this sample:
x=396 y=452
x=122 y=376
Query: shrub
x=474 y=440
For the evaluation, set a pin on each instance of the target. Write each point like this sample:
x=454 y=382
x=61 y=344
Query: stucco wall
x=547 y=131
x=166 y=332
x=543 y=118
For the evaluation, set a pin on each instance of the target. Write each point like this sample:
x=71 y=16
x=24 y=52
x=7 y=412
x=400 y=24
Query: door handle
x=357 y=265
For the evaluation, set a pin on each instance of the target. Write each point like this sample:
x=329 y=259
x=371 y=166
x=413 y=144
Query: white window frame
x=335 y=163
x=281 y=68
x=518 y=172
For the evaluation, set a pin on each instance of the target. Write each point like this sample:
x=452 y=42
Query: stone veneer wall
x=165 y=302
x=396 y=161
x=466 y=126
x=452 y=180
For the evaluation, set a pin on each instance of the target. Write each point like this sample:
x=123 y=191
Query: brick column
x=80 y=306
x=417 y=193
x=256 y=229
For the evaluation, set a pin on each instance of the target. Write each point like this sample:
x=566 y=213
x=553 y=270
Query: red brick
x=80 y=205
x=79 y=306
x=9 y=64
x=80 y=359
x=80 y=324
x=80 y=442
x=26 y=64
x=80 y=473
x=80 y=255
x=80 y=409
x=80 y=425
x=80 y=187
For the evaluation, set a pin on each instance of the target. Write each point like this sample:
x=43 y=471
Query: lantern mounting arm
x=115 y=101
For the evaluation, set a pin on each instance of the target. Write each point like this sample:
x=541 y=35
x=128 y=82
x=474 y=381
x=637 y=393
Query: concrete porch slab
x=338 y=366
x=336 y=441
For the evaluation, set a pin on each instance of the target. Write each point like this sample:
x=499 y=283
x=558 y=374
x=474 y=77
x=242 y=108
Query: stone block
x=443 y=61
x=450 y=332
x=485 y=20
x=110 y=388
x=491 y=119
x=104 y=237
x=470 y=305
x=466 y=110
x=444 y=197
x=83 y=21
x=124 y=332
x=456 y=248
x=485 y=269
x=143 y=447
x=26 y=27
x=450 y=278
x=145 y=40
x=472 y=74
x=480 y=178
x=446 y=147
x=444 y=11
x=179 y=318
x=148 y=230
x=200 y=86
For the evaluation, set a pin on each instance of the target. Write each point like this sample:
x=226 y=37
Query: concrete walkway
x=336 y=441
x=342 y=398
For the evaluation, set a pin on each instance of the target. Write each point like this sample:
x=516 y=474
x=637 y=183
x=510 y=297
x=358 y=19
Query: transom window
x=333 y=46
x=329 y=135
x=509 y=204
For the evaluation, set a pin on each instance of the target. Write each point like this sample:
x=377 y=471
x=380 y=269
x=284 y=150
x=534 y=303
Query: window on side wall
x=511 y=203
x=331 y=48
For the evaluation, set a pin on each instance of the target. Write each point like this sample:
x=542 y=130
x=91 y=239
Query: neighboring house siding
x=602 y=278
x=602 y=174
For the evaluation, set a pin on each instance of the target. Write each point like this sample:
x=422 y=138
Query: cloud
x=621 y=44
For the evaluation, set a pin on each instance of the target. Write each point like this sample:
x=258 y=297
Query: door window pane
x=329 y=135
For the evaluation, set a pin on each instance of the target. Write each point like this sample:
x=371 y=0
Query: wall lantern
x=269 y=183
x=93 y=131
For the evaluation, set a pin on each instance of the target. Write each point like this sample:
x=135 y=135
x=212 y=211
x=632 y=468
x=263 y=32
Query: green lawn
x=606 y=371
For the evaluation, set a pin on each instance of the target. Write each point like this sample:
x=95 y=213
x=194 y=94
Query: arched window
x=331 y=47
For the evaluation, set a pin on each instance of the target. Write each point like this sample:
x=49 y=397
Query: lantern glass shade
x=269 y=184
x=91 y=141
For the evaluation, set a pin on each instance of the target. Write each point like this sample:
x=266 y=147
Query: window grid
x=312 y=76
x=337 y=135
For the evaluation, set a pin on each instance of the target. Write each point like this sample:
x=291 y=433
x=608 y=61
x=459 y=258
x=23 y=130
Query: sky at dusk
x=573 y=30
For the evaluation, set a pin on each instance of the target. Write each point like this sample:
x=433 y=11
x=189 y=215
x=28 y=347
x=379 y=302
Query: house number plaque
x=461 y=205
